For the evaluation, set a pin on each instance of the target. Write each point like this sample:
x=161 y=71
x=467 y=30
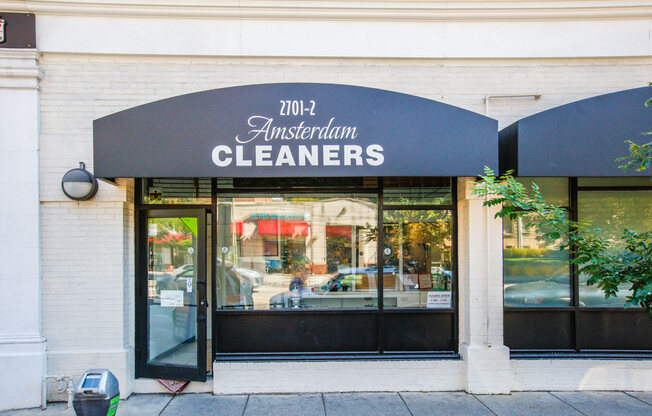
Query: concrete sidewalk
x=376 y=404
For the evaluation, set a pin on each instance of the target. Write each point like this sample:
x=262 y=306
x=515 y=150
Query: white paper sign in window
x=439 y=300
x=171 y=298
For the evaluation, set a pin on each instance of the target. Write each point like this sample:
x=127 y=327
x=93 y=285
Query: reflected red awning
x=282 y=227
x=338 y=231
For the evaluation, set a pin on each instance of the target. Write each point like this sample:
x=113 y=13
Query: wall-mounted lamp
x=79 y=184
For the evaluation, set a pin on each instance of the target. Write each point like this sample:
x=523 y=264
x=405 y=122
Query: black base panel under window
x=615 y=330
x=274 y=332
x=538 y=330
x=425 y=331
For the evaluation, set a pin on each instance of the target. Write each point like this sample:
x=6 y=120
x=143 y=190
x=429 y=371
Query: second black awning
x=582 y=138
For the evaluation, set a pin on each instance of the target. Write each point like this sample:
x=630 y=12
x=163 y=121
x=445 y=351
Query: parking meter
x=97 y=394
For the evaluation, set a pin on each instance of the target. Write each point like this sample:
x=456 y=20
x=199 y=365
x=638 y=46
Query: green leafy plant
x=639 y=157
x=593 y=252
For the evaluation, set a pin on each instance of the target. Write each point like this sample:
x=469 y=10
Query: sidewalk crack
x=565 y=402
x=640 y=400
x=483 y=403
x=244 y=409
x=405 y=403
x=167 y=404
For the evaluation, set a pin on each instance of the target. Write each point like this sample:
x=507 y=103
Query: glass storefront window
x=612 y=212
x=296 y=251
x=417 y=259
x=176 y=191
x=417 y=191
x=554 y=190
x=536 y=273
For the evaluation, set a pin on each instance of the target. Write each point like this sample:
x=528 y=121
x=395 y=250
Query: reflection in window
x=172 y=280
x=554 y=190
x=536 y=272
x=612 y=212
x=417 y=258
x=417 y=191
x=175 y=191
x=296 y=251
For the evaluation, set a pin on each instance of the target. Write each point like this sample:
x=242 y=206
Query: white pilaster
x=486 y=359
x=22 y=345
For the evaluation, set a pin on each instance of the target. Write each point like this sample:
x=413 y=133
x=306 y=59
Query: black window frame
x=382 y=315
x=564 y=331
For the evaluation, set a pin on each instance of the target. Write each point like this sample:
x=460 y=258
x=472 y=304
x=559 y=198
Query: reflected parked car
x=556 y=291
x=254 y=277
x=348 y=287
x=238 y=290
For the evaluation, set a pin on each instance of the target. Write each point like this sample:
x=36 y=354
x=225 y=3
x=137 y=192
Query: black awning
x=294 y=130
x=582 y=138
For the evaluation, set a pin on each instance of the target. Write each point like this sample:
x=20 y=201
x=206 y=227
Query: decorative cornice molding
x=19 y=69
x=22 y=339
x=419 y=10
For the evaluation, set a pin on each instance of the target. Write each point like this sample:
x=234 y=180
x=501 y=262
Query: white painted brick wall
x=87 y=248
x=528 y=375
x=88 y=287
x=337 y=376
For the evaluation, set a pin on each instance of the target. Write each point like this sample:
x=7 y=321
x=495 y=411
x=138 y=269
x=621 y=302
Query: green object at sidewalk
x=113 y=406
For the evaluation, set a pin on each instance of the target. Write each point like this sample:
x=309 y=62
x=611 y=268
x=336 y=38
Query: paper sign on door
x=171 y=298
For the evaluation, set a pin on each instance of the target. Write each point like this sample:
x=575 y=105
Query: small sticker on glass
x=189 y=284
x=152 y=230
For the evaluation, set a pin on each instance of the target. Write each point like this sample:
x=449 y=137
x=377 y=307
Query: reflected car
x=254 y=277
x=556 y=291
x=344 y=281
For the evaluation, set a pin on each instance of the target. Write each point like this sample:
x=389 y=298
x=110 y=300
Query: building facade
x=286 y=247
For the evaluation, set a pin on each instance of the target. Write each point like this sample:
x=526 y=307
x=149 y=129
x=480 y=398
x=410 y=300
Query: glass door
x=172 y=295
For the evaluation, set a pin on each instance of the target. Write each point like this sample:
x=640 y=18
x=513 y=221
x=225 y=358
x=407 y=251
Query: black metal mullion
x=201 y=301
x=213 y=242
x=380 y=265
x=173 y=206
x=141 y=315
x=454 y=267
x=572 y=182
x=614 y=188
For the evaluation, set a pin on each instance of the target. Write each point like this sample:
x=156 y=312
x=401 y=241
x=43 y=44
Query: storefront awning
x=582 y=138
x=294 y=130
